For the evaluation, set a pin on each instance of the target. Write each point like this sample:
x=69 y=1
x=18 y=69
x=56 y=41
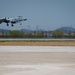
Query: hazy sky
x=47 y=14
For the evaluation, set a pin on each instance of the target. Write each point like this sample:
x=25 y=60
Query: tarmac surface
x=37 y=48
x=37 y=60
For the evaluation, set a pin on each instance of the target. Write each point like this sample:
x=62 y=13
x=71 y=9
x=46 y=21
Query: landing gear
x=7 y=24
x=20 y=23
x=12 y=25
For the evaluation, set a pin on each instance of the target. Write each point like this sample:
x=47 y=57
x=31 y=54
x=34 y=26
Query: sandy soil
x=37 y=43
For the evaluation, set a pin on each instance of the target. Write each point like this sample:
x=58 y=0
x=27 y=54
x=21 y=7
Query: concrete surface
x=37 y=60
x=37 y=48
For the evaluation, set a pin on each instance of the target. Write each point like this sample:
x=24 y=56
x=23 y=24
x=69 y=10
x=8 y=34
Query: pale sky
x=47 y=14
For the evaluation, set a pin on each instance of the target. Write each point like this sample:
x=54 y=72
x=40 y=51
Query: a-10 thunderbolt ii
x=12 y=20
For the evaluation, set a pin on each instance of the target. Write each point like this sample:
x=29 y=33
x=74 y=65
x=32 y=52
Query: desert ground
x=37 y=43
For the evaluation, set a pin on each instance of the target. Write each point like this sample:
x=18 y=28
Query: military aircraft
x=12 y=20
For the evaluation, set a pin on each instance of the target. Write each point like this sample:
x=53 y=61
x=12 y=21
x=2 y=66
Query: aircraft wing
x=17 y=20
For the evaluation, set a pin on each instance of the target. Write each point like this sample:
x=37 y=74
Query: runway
x=37 y=60
x=41 y=39
x=37 y=48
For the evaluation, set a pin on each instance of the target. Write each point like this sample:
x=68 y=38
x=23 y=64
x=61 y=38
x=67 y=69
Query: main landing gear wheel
x=20 y=23
x=7 y=24
x=12 y=25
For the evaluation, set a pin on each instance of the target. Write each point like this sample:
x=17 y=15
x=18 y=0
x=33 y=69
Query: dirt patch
x=37 y=43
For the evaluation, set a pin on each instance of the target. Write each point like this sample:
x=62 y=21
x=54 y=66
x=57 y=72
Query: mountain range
x=64 y=29
x=5 y=31
x=67 y=29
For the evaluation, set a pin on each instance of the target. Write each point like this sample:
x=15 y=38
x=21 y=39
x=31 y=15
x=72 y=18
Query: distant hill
x=39 y=30
x=67 y=29
x=25 y=30
x=5 y=31
x=64 y=29
x=42 y=30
